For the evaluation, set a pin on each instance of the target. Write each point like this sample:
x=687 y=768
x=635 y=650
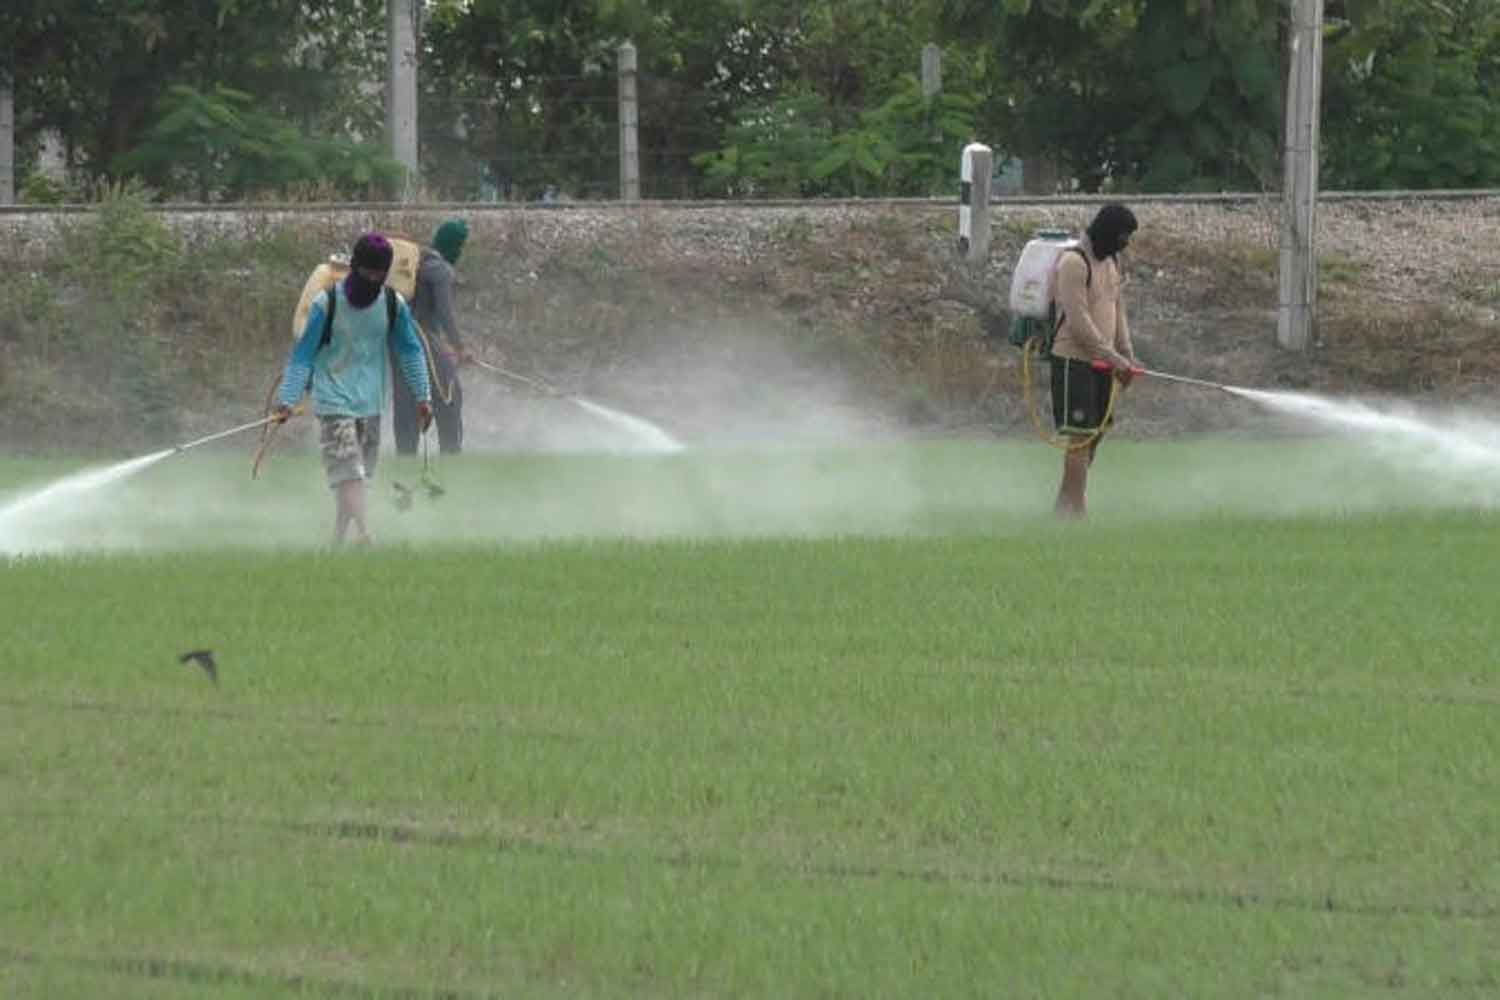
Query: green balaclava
x=449 y=239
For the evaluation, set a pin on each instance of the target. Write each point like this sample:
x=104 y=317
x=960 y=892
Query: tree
x=790 y=148
x=224 y=146
x=772 y=149
x=527 y=89
x=1410 y=96
x=522 y=89
x=529 y=85
x=1162 y=95
x=97 y=70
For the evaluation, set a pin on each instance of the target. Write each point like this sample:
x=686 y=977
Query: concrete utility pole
x=1299 y=262
x=974 y=171
x=630 y=149
x=932 y=70
x=401 y=35
x=7 y=145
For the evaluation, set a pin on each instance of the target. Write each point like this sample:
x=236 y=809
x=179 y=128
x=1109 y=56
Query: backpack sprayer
x=1034 y=322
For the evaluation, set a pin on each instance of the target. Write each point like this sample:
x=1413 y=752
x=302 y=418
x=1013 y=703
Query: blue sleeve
x=299 y=366
x=410 y=355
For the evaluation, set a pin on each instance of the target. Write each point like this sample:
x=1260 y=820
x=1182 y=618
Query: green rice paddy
x=859 y=722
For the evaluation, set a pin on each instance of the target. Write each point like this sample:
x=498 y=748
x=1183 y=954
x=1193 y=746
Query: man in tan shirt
x=1091 y=328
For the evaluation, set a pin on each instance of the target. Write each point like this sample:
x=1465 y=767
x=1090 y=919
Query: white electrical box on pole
x=1298 y=300
x=401 y=87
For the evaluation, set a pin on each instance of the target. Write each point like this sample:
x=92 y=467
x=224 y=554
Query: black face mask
x=1108 y=244
x=1111 y=230
x=361 y=290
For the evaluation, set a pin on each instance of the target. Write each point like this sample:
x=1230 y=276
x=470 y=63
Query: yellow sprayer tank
x=402 y=277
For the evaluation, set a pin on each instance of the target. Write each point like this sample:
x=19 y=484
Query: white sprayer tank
x=1031 y=284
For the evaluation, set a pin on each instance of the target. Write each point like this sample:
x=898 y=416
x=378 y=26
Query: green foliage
x=860 y=158
x=223 y=146
x=520 y=95
x=40 y=189
x=117 y=260
x=97 y=72
x=125 y=243
x=1182 y=96
x=1158 y=96
x=772 y=150
x=1409 y=98
x=29 y=316
x=1212 y=98
x=902 y=147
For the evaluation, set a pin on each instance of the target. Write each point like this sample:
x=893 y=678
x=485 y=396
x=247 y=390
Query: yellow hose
x=444 y=392
x=269 y=431
x=1065 y=442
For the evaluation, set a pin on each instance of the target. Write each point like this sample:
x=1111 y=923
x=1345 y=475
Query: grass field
x=833 y=723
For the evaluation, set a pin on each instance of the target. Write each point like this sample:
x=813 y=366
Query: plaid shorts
x=351 y=447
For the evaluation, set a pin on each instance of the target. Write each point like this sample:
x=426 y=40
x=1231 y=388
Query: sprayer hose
x=1065 y=442
x=267 y=431
x=444 y=392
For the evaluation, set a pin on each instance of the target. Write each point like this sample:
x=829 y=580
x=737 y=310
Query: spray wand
x=658 y=438
x=1105 y=366
x=534 y=383
x=224 y=434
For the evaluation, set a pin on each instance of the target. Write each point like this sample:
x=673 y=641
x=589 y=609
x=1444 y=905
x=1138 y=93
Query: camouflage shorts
x=351 y=447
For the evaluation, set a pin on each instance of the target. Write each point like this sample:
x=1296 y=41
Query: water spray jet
x=658 y=439
x=71 y=487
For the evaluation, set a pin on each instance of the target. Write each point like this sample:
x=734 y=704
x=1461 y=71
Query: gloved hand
x=1124 y=373
x=281 y=414
x=424 y=416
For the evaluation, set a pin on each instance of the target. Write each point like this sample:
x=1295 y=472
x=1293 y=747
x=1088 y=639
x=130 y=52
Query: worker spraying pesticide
x=342 y=354
x=1065 y=295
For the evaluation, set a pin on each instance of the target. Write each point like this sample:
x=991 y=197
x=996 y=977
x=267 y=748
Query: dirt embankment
x=738 y=323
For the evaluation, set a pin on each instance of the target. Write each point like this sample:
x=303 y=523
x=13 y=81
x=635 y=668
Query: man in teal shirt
x=343 y=356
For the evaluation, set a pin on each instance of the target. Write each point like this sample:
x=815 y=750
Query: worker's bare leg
x=349 y=501
x=1071 y=492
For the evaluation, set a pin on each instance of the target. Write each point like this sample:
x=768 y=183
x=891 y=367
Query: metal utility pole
x=401 y=86
x=1299 y=262
x=630 y=148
